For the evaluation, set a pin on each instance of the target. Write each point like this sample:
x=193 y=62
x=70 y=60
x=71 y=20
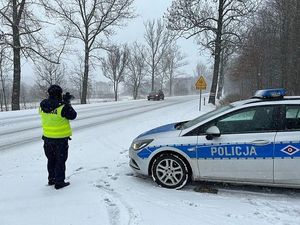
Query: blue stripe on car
x=235 y=151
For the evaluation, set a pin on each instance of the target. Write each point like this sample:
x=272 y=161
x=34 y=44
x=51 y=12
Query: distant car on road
x=156 y=95
x=254 y=141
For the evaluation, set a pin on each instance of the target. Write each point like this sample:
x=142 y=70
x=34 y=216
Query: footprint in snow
x=113 y=212
x=78 y=169
x=114 y=177
x=124 y=151
x=121 y=164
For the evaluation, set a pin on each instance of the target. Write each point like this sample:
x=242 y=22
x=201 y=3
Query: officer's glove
x=67 y=98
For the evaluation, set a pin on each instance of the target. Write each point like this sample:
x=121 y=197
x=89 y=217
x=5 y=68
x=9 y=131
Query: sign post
x=200 y=85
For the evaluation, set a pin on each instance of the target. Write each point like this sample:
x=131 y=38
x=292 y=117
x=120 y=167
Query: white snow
x=104 y=190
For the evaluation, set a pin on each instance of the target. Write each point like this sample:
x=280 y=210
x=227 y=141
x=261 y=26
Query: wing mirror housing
x=212 y=132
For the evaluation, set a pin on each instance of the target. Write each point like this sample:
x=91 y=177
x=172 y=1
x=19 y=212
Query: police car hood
x=164 y=130
x=48 y=105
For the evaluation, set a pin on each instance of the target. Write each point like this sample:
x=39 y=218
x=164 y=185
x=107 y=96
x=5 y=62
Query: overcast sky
x=153 y=9
x=134 y=31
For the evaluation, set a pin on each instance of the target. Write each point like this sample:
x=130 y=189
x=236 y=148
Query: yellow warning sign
x=201 y=83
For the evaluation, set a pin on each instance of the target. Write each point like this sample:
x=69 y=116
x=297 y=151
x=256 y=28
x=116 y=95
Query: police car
x=254 y=141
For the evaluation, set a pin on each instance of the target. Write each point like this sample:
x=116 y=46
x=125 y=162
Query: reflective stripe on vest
x=54 y=125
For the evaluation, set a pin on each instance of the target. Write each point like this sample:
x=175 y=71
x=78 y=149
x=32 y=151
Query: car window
x=250 y=120
x=248 y=115
x=292 y=117
x=205 y=116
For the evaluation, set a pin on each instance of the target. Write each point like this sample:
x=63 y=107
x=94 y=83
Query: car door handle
x=260 y=142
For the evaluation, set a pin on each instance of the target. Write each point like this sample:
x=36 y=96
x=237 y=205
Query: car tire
x=170 y=171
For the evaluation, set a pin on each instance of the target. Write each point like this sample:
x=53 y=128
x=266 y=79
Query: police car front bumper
x=138 y=164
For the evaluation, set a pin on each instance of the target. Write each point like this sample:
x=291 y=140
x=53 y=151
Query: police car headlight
x=137 y=145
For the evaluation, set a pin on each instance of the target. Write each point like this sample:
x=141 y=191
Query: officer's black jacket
x=48 y=105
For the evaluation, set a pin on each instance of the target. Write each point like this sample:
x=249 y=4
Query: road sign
x=201 y=83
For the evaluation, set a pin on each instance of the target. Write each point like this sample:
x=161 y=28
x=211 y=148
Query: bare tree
x=158 y=39
x=200 y=70
x=47 y=74
x=136 y=68
x=216 y=21
x=76 y=79
x=172 y=61
x=114 y=65
x=22 y=33
x=90 y=21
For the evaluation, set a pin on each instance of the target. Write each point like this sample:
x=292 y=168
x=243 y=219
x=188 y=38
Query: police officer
x=56 y=111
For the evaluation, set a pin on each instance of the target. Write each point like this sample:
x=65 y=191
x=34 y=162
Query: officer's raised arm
x=68 y=112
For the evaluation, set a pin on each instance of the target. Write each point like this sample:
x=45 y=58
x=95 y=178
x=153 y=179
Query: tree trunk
x=152 y=76
x=85 y=75
x=3 y=96
x=136 y=90
x=171 y=85
x=116 y=91
x=3 y=91
x=218 y=43
x=1 y=103
x=221 y=77
x=171 y=82
x=135 y=93
x=214 y=84
x=15 y=103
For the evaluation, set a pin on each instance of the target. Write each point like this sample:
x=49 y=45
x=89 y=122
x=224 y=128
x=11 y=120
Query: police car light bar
x=270 y=93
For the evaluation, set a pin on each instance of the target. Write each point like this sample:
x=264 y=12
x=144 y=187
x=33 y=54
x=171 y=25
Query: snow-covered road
x=28 y=128
x=103 y=189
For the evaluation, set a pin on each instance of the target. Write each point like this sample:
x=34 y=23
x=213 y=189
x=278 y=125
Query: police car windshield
x=205 y=116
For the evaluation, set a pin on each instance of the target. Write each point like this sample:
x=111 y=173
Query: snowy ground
x=104 y=189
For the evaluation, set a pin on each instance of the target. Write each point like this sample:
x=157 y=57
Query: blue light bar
x=270 y=93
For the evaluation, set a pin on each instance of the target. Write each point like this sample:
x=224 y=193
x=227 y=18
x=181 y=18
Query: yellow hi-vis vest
x=54 y=125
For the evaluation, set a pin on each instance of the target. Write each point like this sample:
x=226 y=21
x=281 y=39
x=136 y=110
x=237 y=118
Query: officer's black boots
x=51 y=182
x=61 y=185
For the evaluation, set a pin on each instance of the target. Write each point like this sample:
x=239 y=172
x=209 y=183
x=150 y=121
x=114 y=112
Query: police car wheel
x=169 y=171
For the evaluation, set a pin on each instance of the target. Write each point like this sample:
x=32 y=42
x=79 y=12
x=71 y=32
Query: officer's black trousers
x=56 y=151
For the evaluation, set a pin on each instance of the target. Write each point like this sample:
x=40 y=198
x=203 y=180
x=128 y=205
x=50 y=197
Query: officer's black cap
x=54 y=90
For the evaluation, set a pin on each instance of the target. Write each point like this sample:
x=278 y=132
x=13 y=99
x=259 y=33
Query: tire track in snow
x=113 y=211
x=115 y=204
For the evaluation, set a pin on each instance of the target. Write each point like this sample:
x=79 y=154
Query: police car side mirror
x=212 y=132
